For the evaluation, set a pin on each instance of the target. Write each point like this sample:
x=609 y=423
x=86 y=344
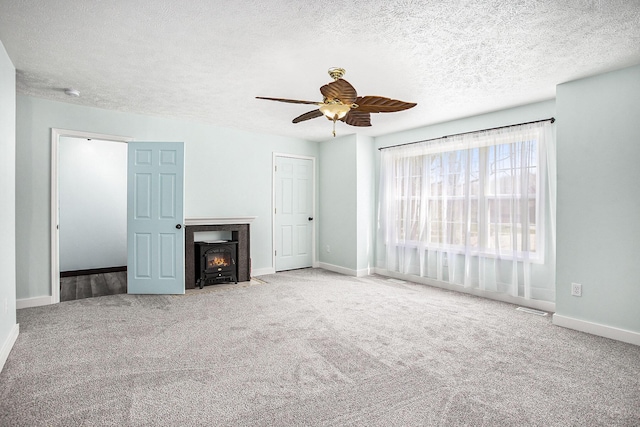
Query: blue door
x=155 y=218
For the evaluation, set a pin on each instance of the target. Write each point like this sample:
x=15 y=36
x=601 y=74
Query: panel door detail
x=155 y=218
x=293 y=213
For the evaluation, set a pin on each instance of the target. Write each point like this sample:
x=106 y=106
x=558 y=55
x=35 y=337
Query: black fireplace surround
x=239 y=234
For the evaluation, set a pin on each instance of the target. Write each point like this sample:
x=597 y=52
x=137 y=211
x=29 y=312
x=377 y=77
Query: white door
x=155 y=218
x=293 y=213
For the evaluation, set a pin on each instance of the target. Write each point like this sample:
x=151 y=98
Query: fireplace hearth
x=216 y=262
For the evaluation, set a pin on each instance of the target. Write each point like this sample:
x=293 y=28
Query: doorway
x=71 y=254
x=294 y=211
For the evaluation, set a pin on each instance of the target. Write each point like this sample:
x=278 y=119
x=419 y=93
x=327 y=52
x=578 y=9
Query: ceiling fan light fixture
x=334 y=111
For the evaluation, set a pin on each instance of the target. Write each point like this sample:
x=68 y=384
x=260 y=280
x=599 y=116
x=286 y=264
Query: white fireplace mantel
x=219 y=221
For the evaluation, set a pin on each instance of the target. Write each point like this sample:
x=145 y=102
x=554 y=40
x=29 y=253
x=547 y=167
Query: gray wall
x=8 y=327
x=346 y=212
x=337 y=209
x=598 y=238
x=92 y=193
x=240 y=161
x=365 y=215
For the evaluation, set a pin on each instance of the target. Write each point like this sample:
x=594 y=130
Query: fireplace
x=216 y=262
x=238 y=228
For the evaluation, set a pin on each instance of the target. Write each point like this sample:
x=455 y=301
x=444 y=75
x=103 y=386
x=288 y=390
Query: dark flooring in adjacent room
x=93 y=285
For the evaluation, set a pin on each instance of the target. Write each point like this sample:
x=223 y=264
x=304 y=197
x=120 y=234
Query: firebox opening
x=218 y=260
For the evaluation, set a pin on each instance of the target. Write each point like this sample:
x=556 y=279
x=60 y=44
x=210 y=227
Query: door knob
x=178 y=226
x=310 y=218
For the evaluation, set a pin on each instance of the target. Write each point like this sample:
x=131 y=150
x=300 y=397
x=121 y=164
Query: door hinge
x=275 y=210
x=276 y=168
x=275 y=253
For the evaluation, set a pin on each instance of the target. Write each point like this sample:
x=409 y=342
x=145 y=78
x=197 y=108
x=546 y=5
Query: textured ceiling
x=206 y=60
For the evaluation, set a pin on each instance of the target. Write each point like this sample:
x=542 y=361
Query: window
x=479 y=196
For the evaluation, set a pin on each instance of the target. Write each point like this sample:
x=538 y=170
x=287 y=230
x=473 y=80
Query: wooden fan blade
x=340 y=90
x=379 y=104
x=291 y=101
x=357 y=118
x=307 y=116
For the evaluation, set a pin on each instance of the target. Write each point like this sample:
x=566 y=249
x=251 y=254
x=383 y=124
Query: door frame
x=314 y=261
x=56 y=134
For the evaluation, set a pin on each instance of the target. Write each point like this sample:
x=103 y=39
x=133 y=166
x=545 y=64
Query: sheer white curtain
x=476 y=210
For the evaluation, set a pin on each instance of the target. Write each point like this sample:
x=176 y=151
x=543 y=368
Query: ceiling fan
x=341 y=102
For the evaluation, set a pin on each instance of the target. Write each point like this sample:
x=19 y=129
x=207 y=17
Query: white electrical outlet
x=328 y=248
x=576 y=289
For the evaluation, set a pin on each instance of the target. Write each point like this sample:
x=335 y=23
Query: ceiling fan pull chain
x=334 y=127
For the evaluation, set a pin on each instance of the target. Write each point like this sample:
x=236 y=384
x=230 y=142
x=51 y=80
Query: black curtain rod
x=552 y=119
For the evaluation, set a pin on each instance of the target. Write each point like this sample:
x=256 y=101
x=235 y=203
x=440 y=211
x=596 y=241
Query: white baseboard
x=364 y=272
x=531 y=303
x=611 y=332
x=7 y=345
x=337 y=269
x=33 y=302
x=343 y=270
x=262 y=271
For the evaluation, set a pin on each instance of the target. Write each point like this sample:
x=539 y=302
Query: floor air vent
x=532 y=311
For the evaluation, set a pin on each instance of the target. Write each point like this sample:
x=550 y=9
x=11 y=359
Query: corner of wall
x=8 y=326
x=597 y=227
x=337 y=211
